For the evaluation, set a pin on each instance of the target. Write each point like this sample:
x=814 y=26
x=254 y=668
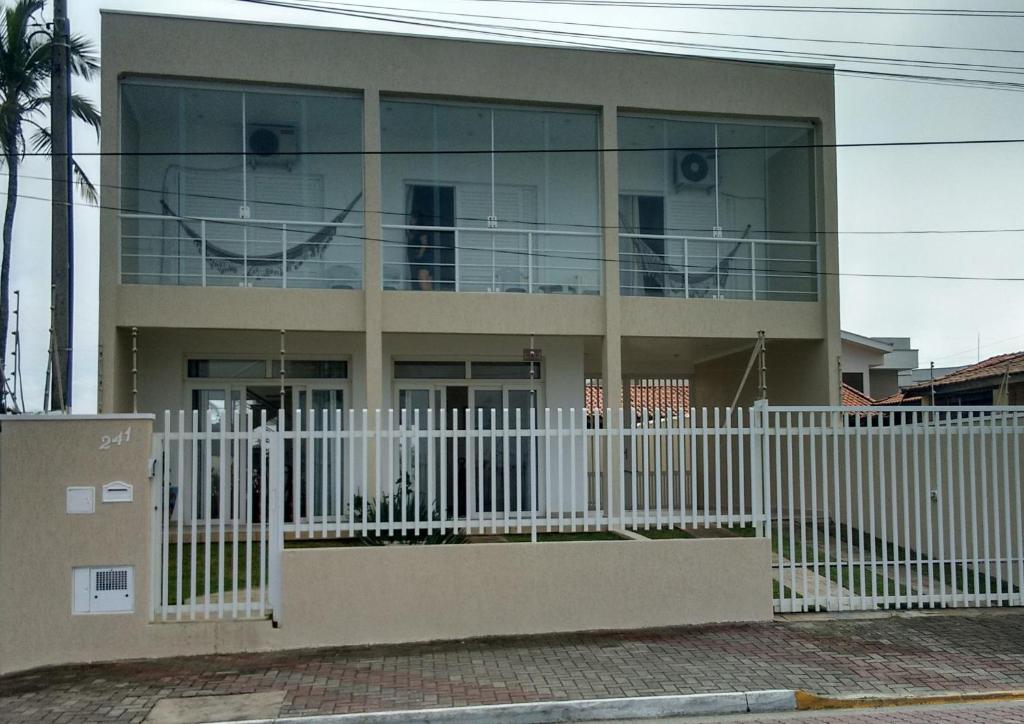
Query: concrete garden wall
x=333 y=596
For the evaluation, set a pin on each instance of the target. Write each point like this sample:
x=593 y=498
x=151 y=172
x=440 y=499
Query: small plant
x=390 y=510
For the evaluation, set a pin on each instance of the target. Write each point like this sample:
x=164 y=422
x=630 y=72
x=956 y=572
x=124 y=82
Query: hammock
x=225 y=261
x=648 y=262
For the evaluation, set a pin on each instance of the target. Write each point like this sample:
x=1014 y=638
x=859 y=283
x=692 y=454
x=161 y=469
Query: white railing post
x=759 y=473
x=718 y=269
x=202 y=236
x=284 y=256
x=686 y=269
x=753 y=270
x=275 y=503
x=529 y=262
x=157 y=572
x=458 y=261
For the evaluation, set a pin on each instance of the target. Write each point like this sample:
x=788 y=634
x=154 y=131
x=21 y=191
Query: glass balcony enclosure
x=232 y=186
x=490 y=198
x=717 y=210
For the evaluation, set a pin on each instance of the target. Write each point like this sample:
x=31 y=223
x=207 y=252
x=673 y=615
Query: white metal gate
x=216 y=523
x=911 y=507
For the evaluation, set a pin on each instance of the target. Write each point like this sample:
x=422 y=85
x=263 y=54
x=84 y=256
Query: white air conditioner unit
x=269 y=145
x=694 y=170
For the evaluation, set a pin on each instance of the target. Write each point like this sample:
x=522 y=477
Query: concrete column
x=372 y=285
x=611 y=367
x=612 y=354
x=828 y=220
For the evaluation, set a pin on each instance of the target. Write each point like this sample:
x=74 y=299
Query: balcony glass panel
x=240 y=187
x=717 y=211
x=489 y=199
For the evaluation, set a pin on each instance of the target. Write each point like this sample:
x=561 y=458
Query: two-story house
x=413 y=222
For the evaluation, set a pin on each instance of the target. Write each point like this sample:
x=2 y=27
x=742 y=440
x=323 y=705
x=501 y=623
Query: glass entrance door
x=314 y=469
x=493 y=474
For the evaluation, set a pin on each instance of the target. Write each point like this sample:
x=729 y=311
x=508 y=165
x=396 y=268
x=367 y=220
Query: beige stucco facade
x=379 y=66
x=339 y=596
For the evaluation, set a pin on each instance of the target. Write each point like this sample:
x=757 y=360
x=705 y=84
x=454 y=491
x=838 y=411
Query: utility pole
x=62 y=223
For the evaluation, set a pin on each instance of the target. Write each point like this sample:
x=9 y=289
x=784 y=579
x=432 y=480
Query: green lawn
x=230 y=574
x=846 y=575
x=732 y=531
x=665 y=533
x=563 y=537
x=953 y=575
x=300 y=543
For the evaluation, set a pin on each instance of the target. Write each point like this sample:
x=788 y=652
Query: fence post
x=759 y=478
x=156 y=532
x=275 y=504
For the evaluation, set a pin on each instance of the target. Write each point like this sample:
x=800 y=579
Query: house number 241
x=106 y=442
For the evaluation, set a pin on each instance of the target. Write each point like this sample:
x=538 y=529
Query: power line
x=676 y=31
x=866 y=59
x=592 y=149
x=581 y=257
x=973 y=348
x=489 y=30
x=290 y=204
x=752 y=7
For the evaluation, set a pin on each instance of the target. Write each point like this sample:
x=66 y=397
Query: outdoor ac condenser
x=694 y=170
x=270 y=145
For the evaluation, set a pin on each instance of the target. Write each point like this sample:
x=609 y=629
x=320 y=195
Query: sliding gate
x=895 y=508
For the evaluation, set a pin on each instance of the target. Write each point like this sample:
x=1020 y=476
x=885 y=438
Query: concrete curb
x=550 y=712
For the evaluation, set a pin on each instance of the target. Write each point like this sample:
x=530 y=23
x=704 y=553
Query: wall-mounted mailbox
x=81 y=500
x=117 y=492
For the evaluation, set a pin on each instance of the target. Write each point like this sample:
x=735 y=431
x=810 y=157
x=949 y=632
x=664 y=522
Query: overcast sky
x=880 y=189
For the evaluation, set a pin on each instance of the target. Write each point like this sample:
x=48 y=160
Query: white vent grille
x=104 y=589
x=111 y=579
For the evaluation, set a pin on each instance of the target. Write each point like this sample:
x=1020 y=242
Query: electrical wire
x=577 y=257
x=560 y=224
x=867 y=59
x=677 y=31
x=761 y=7
x=527 y=151
x=490 y=29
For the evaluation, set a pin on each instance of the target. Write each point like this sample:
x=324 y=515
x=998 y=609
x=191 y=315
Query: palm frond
x=42 y=143
x=84 y=61
x=85 y=187
x=84 y=110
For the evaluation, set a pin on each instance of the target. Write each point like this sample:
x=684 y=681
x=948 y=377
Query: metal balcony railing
x=207 y=252
x=697 y=267
x=472 y=259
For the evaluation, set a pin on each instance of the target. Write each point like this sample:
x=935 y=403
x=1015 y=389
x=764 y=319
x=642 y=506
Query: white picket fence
x=844 y=493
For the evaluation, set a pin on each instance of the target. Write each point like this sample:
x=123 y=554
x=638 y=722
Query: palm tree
x=25 y=61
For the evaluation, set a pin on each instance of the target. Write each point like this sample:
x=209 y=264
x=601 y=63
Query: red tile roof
x=899 y=398
x=853 y=397
x=651 y=397
x=992 y=368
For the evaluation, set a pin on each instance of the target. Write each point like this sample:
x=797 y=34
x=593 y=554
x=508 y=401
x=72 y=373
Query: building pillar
x=828 y=258
x=373 y=378
x=611 y=366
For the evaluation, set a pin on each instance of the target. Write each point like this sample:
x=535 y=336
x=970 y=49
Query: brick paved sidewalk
x=982 y=651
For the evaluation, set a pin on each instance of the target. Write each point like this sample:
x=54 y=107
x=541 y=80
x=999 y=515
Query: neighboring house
x=852 y=397
x=873 y=365
x=249 y=217
x=921 y=375
x=997 y=380
x=640 y=395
